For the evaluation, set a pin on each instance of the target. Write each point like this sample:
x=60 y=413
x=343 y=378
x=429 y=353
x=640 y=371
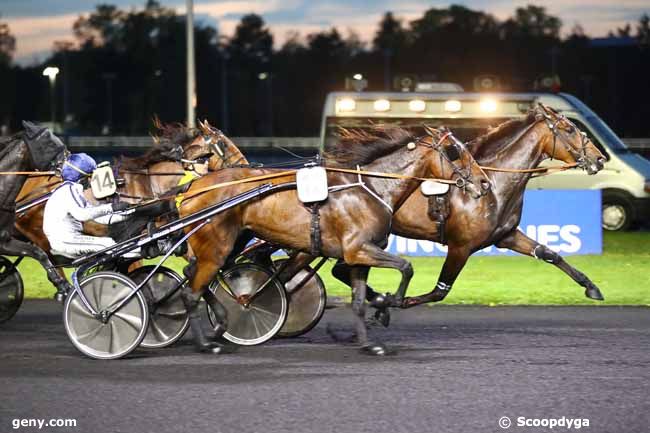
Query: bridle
x=215 y=142
x=464 y=173
x=553 y=124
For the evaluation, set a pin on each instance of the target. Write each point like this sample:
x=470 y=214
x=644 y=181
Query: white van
x=625 y=180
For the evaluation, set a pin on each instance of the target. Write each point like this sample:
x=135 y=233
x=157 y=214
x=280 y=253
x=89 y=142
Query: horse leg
x=454 y=263
x=519 y=242
x=341 y=271
x=359 y=276
x=200 y=276
x=15 y=247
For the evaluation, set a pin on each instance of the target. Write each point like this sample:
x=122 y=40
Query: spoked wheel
x=253 y=316
x=115 y=336
x=306 y=304
x=168 y=318
x=11 y=289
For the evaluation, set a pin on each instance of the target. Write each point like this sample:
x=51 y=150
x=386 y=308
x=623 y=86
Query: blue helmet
x=77 y=166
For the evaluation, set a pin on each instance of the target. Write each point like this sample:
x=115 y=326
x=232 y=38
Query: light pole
x=191 y=86
x=51 y=72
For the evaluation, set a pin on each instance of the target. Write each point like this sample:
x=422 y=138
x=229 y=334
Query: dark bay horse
x=37 y=148
x=354 y=223
x=492 y=220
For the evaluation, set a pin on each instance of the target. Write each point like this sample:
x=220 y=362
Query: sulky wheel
x=306 y=305
x=168 y=318
x=11 y=289
x=115 y=336
x=253 y=317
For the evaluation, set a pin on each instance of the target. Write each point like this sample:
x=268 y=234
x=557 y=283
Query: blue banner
x=567 y=221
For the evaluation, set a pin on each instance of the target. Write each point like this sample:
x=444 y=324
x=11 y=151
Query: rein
x=531 y=170
x=28 y=173
x=293 y=172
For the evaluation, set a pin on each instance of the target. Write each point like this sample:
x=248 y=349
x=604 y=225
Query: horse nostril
x=485 y=185
x=600 y=162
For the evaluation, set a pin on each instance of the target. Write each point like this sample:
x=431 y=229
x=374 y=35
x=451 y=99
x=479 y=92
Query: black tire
x=306 y=305
x=11 y=290
x=617 y=210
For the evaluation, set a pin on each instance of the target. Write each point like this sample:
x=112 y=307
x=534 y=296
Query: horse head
x=213 y=144
x=456 y=157
x=568 y=143
x=46 y=150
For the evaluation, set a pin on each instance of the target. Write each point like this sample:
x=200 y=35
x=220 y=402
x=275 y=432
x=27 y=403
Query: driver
x=67 y=209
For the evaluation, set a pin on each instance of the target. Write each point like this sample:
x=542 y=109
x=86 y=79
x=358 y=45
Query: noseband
x=580 y=155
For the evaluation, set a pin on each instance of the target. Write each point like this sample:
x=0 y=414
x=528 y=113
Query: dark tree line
x=127 y=66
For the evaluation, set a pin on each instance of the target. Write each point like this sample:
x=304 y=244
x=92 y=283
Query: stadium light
x=453 y=106
x=382 y=105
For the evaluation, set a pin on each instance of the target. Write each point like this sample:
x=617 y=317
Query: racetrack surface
x=457 y=369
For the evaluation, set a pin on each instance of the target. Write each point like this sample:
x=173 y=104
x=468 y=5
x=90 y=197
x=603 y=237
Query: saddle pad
x=311 y=184
x=430 y=187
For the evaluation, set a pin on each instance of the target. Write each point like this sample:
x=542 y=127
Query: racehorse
x=520 y=145
x=147 y=176
x=353 y=224
x=37 y=148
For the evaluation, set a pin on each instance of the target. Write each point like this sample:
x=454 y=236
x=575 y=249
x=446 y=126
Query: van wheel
x=617 y=211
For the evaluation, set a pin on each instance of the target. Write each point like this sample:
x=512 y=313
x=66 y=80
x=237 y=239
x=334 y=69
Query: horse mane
x=500 y=135
x=175 y=132
x=170 y=136
x=360 y=146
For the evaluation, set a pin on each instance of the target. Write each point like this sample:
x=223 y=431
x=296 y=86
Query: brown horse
x=472 y=225
x=147 y=176
x=354 y=223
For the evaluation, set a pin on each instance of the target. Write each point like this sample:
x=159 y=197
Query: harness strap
x=363 y=185
x=316 y=242
x=530 y=170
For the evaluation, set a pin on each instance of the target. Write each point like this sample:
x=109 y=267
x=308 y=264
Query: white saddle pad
x=311 y=184
x=430 y=187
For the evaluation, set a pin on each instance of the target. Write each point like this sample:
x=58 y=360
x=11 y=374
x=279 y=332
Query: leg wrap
x=542 y=252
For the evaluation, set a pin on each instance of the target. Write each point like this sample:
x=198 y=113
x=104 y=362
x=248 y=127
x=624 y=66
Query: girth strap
x=315 y=232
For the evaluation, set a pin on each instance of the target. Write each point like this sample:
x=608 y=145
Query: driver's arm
x=80 y=209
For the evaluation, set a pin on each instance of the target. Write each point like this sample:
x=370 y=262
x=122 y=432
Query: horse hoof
x=383 y=316
x=594 y=293
x=374 y=350
x=214 y=349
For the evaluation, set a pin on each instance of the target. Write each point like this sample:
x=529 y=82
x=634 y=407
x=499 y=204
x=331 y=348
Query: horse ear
x=32 y=129
x=429 y=130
